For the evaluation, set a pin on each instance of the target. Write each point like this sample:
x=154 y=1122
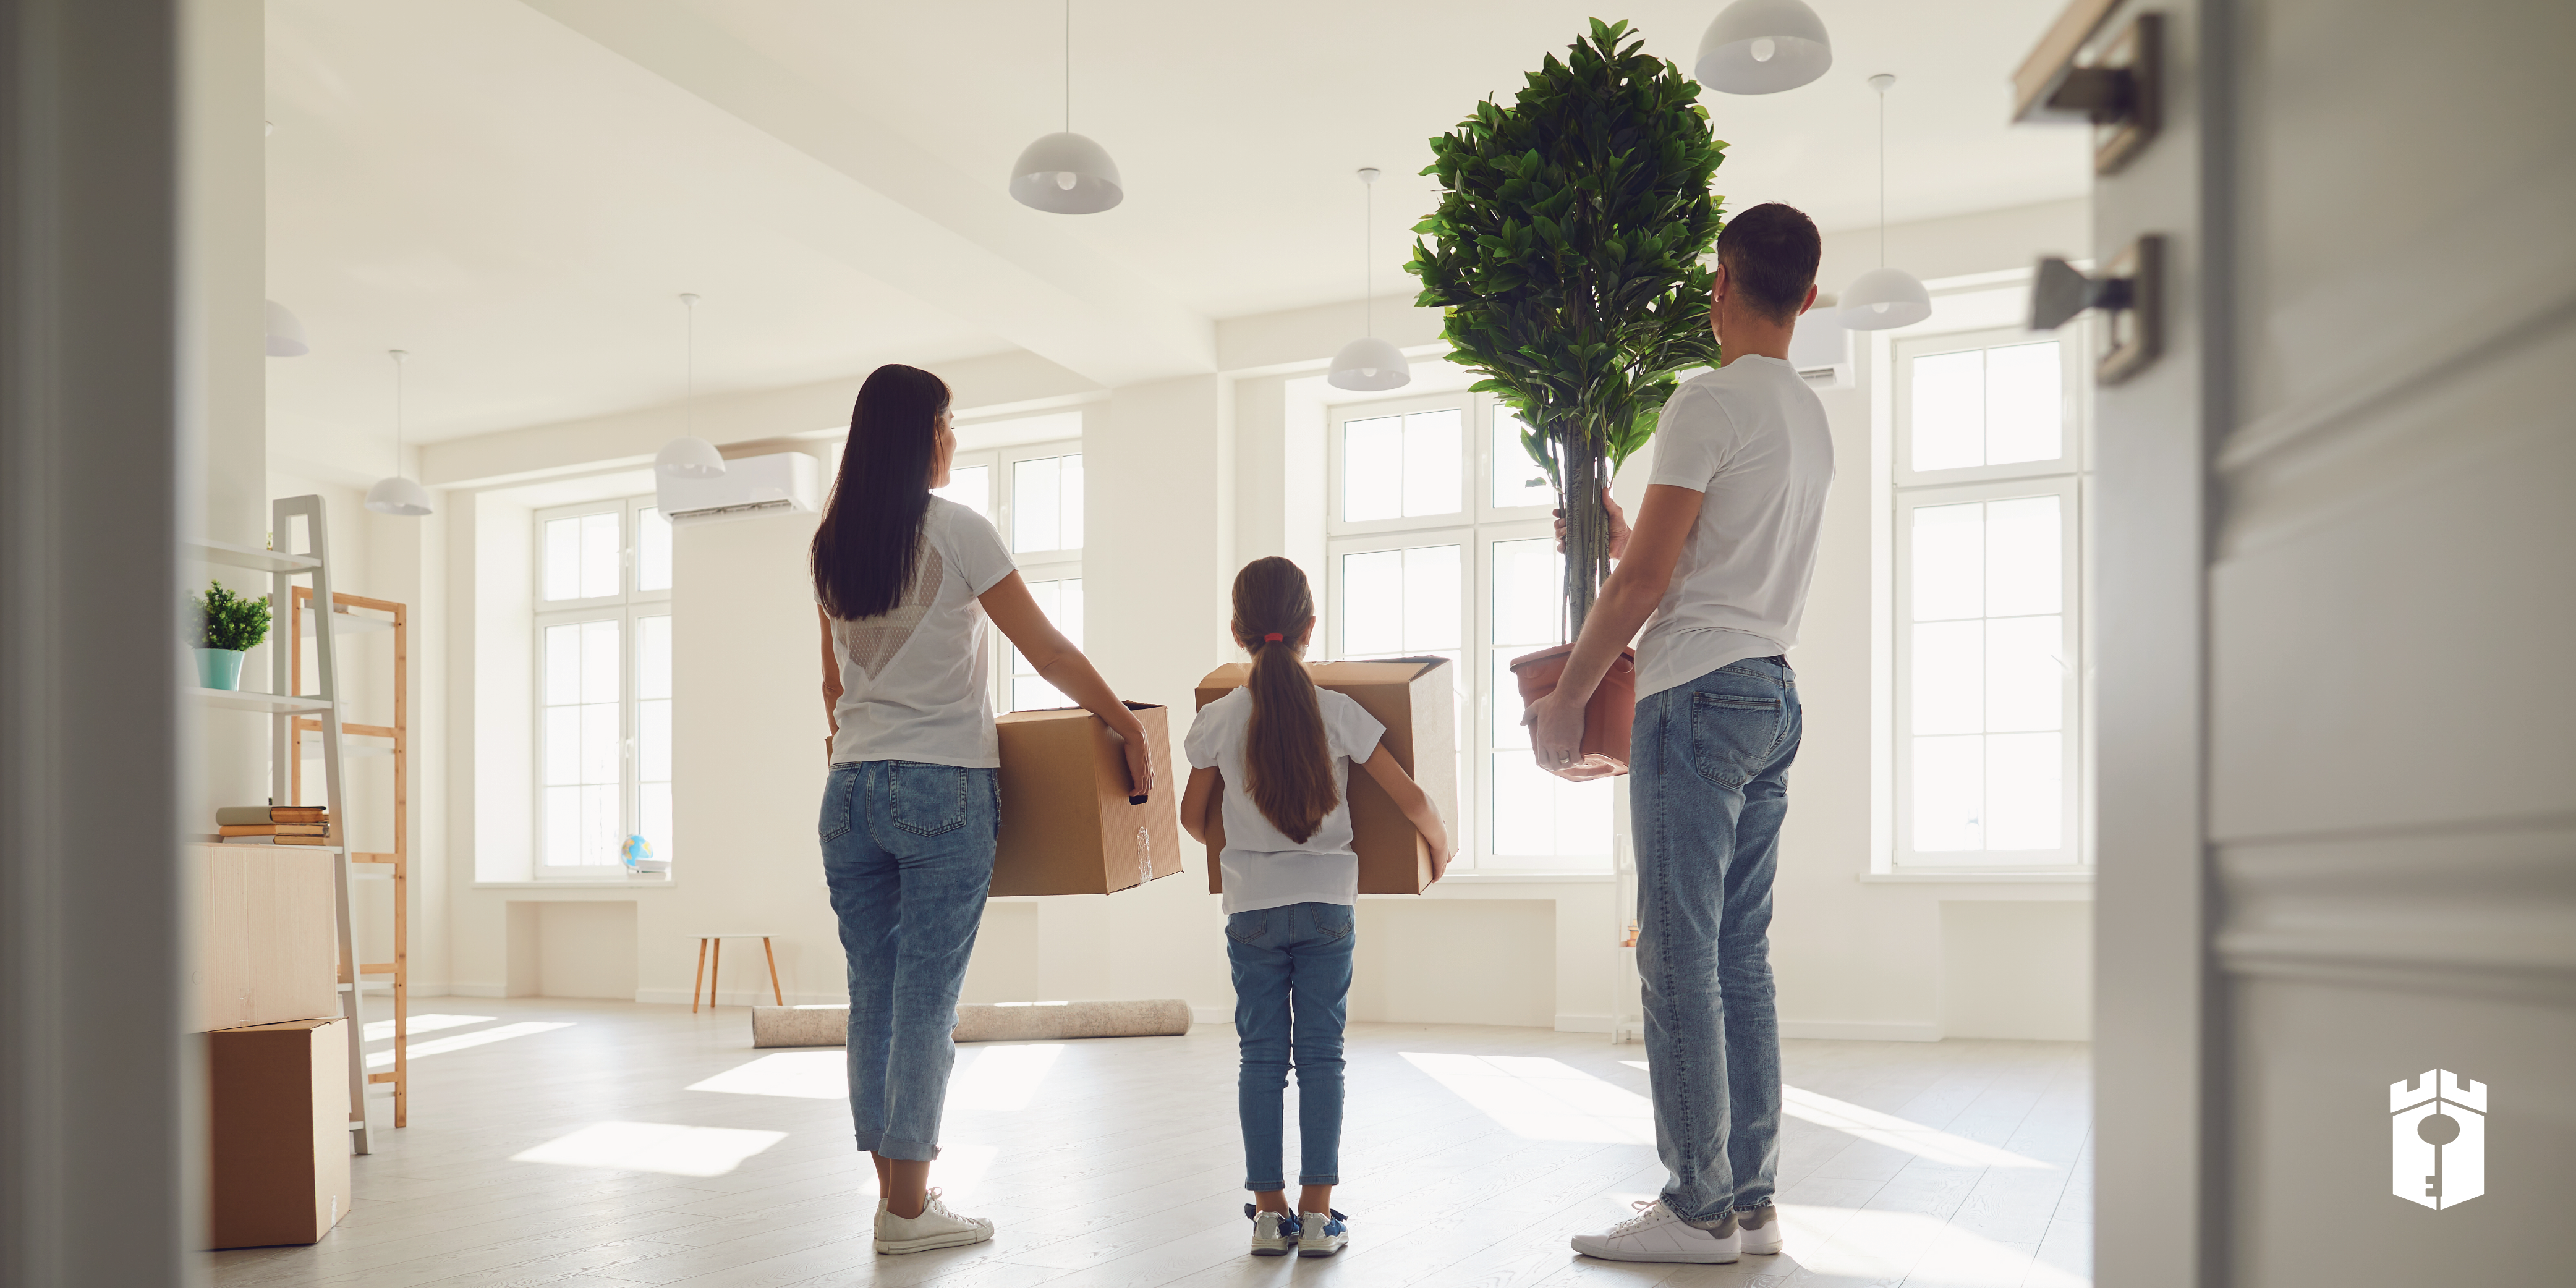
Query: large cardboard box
x=1068 y=823
x=1416 y=698
x=278 y=1101
x=268 y=944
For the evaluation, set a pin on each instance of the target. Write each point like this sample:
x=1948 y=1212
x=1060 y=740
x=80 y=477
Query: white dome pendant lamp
x=1065 y=173
x=689 y=456
x=1884 y=298
x=397 y=494
x=1369 y=362
x=285 y=333
x=1763 y=47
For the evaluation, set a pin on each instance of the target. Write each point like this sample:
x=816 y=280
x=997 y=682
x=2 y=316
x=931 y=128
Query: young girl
x=1278 y=753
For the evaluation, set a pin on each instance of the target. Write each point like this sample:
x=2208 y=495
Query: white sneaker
x=1760 y=1228
x=1274 y=1234
x=1321 y=1234
x=1657 y=1234
x=936 y=1227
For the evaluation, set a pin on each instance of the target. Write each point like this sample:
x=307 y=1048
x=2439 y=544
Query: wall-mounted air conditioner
x=1821 y=347
x=786 y=483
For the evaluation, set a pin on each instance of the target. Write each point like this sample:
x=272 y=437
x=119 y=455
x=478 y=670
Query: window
x=1033 y=495
x=1439 y=543
x=603 y=645
x=1988 y=630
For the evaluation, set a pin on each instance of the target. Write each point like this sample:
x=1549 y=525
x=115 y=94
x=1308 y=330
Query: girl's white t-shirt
x=914 y=682
x=1264 y=869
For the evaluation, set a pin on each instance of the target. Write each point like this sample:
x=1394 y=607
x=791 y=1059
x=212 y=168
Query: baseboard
x=477 y=990
x=1583 y=1024
x=1861 y=1030
x=744 y=997
x=1211 y=1015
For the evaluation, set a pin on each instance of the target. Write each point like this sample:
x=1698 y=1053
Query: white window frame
x=626 y=608
x=2066 y=477
x=1475 y=528
x=1035 y=566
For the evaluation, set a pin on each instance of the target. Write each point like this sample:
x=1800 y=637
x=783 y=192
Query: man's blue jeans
x=1292 y=990
x=1707 y=789
x=908 y=854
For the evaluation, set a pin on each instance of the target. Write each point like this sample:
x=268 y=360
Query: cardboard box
x=268 y=942
x=278 y=1104
x=1068 y=823
x=1416 y=698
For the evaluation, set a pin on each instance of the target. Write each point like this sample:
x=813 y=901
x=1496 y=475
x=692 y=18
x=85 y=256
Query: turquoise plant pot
x=219 y=668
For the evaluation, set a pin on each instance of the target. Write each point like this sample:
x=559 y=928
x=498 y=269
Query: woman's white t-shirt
x=1264 y=869
x=915 y=682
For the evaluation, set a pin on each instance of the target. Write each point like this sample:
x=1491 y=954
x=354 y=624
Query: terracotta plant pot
x=1606 y=717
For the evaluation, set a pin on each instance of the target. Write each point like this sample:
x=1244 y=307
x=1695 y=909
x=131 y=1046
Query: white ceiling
x=517 y=193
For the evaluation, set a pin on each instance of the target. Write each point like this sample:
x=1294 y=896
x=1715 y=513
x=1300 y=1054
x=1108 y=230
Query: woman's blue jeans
x=908 y=854
x=1707 y=788
x=1292 y=989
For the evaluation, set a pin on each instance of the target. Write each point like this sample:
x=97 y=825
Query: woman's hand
x=1140 y=761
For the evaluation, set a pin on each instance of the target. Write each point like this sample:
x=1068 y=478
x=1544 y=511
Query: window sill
x=1978 y=878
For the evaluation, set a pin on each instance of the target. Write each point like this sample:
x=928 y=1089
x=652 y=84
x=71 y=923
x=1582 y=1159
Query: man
x=1720 y=556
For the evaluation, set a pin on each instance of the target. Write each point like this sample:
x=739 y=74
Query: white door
x=2337 y=561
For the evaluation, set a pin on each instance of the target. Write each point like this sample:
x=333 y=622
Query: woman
x=904 y=581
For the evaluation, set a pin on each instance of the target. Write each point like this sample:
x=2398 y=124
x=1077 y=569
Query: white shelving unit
x=283 y=708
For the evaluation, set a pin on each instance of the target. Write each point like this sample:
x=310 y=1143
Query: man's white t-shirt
x=1751 y=438
x=915 y=682
x=1262 y=868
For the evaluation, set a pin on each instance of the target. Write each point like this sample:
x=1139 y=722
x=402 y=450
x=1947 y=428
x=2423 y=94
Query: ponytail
x=1285 y=754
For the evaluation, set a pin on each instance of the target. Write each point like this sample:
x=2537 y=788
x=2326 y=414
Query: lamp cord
x=1882 y=178
x=689 y=380
x=1368 y=266
x=1068 y=66
x=398 y=411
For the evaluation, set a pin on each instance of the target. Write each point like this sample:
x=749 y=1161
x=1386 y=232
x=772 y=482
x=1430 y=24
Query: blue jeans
x=1292 y=989
x=1707 y=789
x=908 y=854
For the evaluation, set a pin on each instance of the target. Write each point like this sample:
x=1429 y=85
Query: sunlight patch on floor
x=1896 y=1133
x=1542 y=1099
x=653 y=1147
x=1002 y=1078
x=1886 y=1247
x=437 y=1046
x=800 y=1075
x=383 y=1030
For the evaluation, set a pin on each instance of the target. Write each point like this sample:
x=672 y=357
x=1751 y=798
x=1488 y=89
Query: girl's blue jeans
x=908 y=855
x=1292 y=988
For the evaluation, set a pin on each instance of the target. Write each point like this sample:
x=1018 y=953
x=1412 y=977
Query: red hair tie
x=1272 y=638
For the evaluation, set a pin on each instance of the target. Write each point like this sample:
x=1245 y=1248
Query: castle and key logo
x=2438 y=1138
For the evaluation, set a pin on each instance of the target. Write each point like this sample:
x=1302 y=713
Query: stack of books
x=273 y=825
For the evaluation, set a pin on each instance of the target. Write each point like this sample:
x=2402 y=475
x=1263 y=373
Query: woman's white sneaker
x=1657 y=1234
x=1760 y=1229
x=936 y=1227
x=1321 y=1234
x=1274 y=1234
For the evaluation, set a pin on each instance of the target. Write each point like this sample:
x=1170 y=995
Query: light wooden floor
x=557 y=1156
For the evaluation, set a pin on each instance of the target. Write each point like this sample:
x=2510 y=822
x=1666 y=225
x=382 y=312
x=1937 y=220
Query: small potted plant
x=228 y=625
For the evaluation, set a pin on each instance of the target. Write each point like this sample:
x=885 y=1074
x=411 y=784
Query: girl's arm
x=1408 y=797
x=1016 y=612
x=1199 y=802
x=831 y=684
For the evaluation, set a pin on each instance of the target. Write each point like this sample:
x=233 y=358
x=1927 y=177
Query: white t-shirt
x=914 y=682
x=1751 y=438
x=1264 y=869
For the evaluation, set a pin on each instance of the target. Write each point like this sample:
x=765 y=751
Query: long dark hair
x=1284 y=752
x=869 y=543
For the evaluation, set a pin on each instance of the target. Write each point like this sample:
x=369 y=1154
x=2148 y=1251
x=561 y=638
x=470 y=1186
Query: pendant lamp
x=1369 y=362
x=689 y=456
x=397 y=494
x=1884 y=298
x=1763 y=47
x=1065 y=173
x=285 y=333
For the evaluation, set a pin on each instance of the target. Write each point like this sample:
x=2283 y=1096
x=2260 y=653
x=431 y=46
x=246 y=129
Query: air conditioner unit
x=1821 y=348
x=785 y=483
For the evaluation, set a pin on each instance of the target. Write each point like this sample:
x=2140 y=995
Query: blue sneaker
x=1327 y=1236
x=1274 y=1234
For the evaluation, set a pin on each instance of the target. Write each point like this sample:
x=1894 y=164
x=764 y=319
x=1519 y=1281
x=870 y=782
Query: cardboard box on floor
x=278 y=1106
x=1068 y=823
x=268 y=944
x=1416 y=699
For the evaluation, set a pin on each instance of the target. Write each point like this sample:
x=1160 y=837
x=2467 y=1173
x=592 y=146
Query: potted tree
x=1567 y=254
x=228 y=625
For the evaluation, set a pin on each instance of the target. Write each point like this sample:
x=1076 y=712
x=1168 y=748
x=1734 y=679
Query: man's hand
x=1618 y=526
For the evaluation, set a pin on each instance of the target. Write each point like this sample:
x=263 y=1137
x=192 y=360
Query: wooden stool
x=710 y=975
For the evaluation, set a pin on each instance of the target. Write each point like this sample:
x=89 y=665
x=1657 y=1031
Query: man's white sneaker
x=1321 y=1234
x=1274 y=1234
x=1657 y=1234
x=936 y=1227
x=1760 y=1229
